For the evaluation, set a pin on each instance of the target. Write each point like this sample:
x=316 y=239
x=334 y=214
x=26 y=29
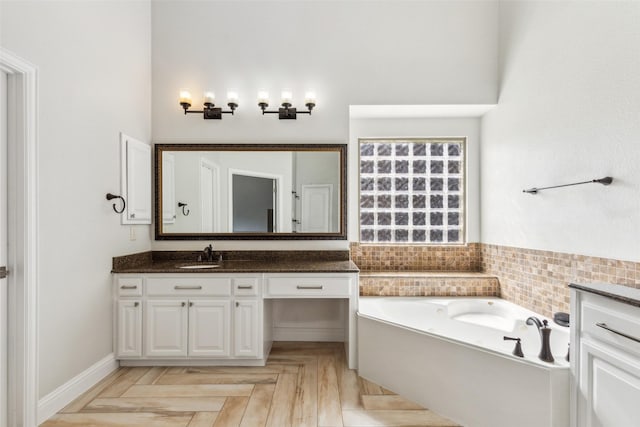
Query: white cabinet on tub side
x=605 y=365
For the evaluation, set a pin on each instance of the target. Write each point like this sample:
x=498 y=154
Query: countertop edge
x=299 y=267
x=621 y=293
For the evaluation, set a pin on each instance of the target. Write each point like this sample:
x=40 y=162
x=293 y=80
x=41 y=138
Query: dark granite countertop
x=620 y=293
x=238 y=262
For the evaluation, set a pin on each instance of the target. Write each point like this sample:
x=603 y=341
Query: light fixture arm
x=286 y=112
x=210 y=111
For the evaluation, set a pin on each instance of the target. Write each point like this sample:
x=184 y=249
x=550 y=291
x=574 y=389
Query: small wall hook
x=113 y=196
x=183 y=206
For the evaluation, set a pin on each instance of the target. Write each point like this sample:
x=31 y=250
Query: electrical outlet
x=132 y=233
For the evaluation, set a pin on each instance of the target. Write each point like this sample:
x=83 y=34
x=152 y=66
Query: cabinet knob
x=135 y=304
x=132 y=215
x=190 y=303
x=184 y=303
x=237 y=304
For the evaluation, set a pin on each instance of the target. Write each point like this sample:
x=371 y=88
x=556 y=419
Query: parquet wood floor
x=303 y=384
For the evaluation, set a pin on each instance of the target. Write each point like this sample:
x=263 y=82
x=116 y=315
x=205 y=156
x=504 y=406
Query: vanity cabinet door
x=166 y=323
x=129 y=337
x=209 y=328
x=247 y=328
x=610 y=387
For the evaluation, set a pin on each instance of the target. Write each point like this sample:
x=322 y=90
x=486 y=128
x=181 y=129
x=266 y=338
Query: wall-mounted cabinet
x=135 y=180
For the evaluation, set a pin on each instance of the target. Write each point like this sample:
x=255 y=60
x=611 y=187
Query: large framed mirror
x=250 y=191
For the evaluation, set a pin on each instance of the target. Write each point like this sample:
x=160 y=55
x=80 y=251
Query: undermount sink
x=199 y=266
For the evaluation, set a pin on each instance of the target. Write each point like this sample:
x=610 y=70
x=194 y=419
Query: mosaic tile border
x=535 y=279
x=416 y=258
x=538 y=280
x=429 y=286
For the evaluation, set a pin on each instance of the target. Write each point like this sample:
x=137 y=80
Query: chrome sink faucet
x=545 y=335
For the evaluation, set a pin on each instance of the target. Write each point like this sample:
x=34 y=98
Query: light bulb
x=263 y=97
x=232 y=97
x=310 y=98
x=286 y=97
x=185 y=97
x=209 y=98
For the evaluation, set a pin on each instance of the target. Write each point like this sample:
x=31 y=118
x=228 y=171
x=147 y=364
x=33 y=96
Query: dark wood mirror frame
x=342 y=217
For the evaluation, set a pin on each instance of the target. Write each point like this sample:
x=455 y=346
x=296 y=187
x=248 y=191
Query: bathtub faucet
x=545 y=335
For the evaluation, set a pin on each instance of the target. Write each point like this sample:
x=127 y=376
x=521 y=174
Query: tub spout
x=534 y=321
x=545 y=335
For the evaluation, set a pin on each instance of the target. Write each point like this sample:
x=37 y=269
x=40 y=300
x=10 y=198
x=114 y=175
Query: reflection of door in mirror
x=254 y=205
x=316 y=208
x=168 y=189
x=316 y=176
x=209 y=196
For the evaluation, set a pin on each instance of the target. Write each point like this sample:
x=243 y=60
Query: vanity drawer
x=188 y=286
x=308 y=287
x=129 y=286
x=246 y=286
x=611 y=322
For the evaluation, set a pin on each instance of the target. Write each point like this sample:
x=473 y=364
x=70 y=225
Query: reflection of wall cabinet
x=606 y=361
x=168 y=189
x=136 y=180
x=178 y=316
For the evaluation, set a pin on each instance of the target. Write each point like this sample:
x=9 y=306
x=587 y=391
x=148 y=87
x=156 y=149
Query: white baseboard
x=67 y=392
x=308 y=334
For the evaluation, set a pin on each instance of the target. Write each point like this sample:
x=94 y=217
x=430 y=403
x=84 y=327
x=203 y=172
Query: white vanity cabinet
x=182 y=317
x=229 y=319
x=605 y=354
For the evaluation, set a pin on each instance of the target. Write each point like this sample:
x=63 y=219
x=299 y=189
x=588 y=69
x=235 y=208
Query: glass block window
x=412 y=191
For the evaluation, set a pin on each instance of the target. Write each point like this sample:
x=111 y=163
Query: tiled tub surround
x=538 y=280
x=535 y=279
x=428 y=284
x=416 y=258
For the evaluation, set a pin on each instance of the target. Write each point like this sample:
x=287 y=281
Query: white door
x=166 y=328
x=209 y=328
x=129 y=329
x=3 y=251
x=247 y=327
x=316 y=208
x=209 y=197
x=610 y=387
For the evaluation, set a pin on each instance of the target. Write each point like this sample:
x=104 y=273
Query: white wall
x=568 y=111
x=350 y=52
x=419 y=127
x=94 y=67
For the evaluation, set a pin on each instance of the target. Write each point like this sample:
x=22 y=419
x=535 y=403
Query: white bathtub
x=448 y=354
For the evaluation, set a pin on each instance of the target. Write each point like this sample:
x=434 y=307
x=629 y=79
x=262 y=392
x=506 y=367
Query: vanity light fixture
x=286 y=112
x=209 y=111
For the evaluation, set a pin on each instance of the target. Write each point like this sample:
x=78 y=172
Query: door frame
x=278 y=205
x=23 y=237
x=215 y=185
